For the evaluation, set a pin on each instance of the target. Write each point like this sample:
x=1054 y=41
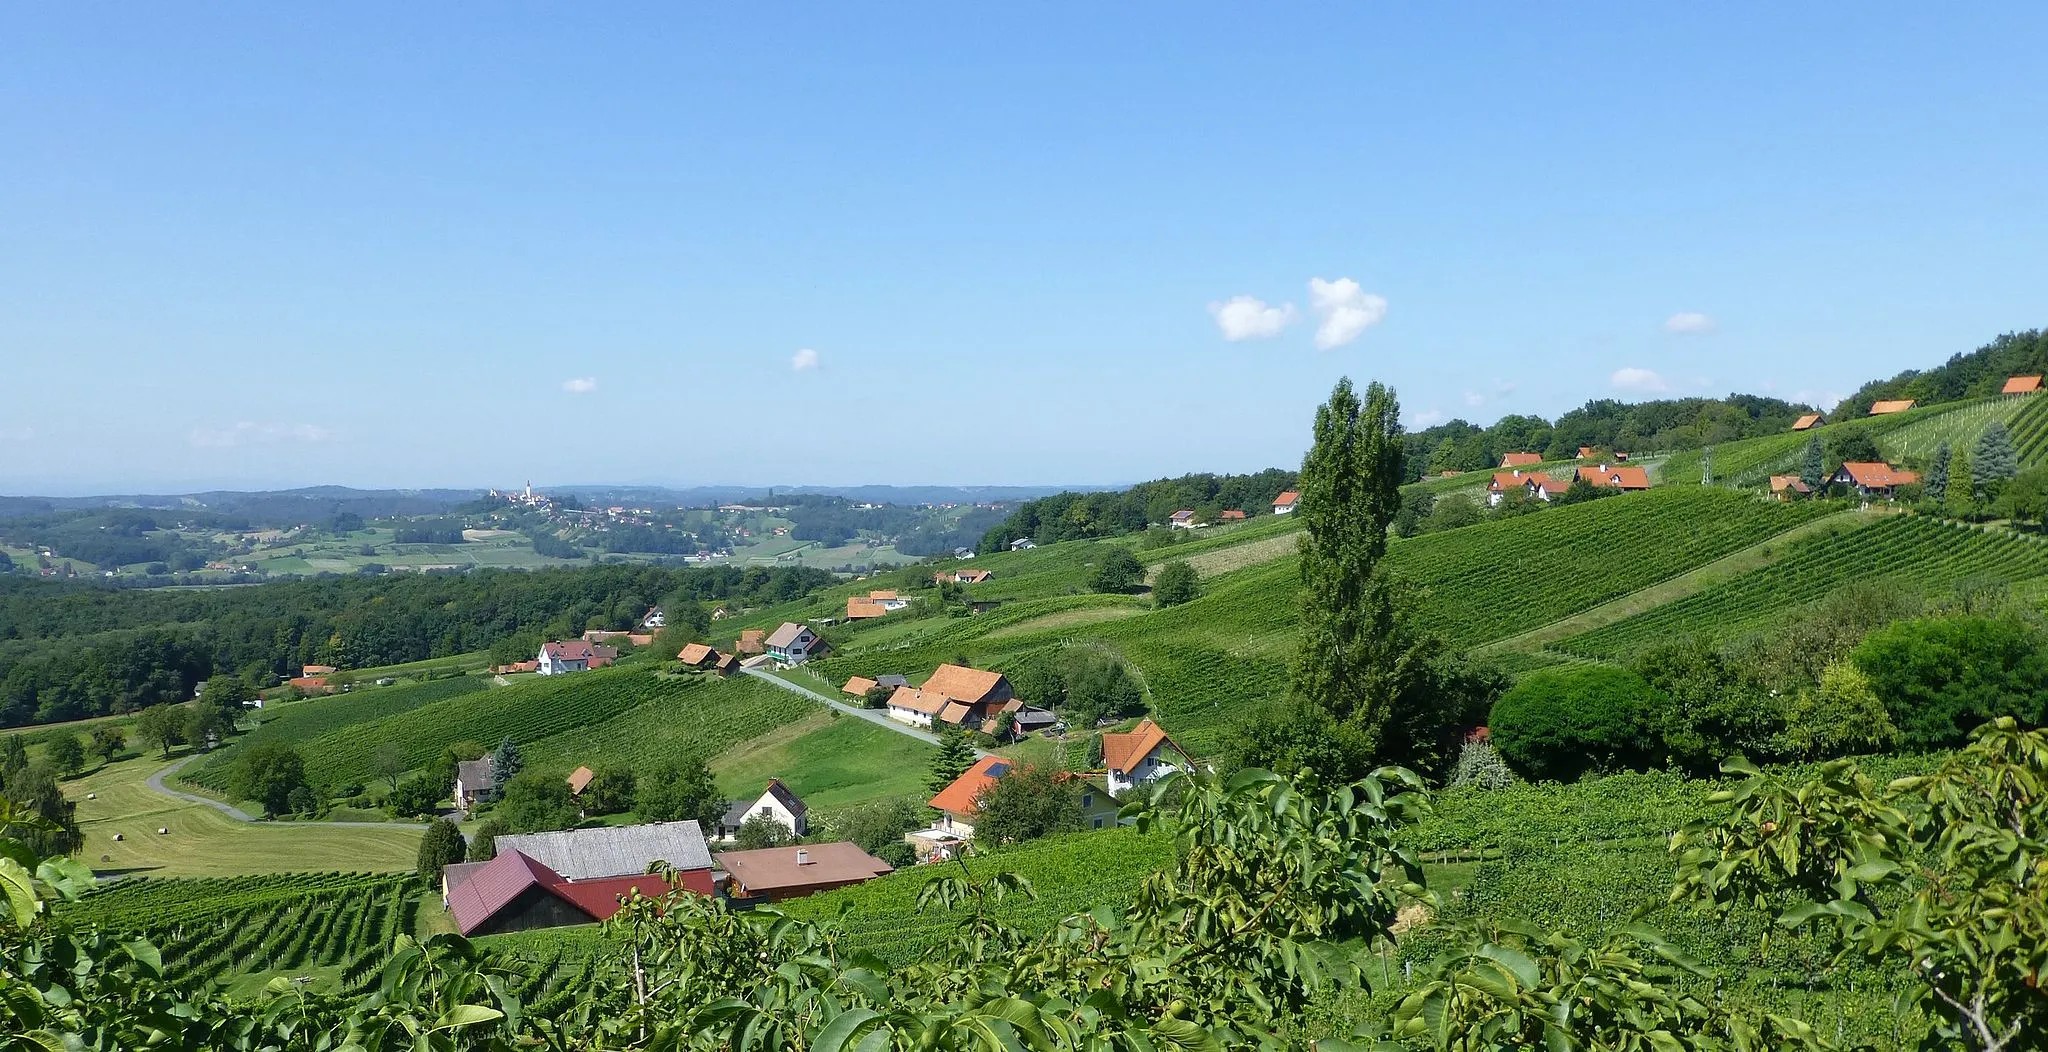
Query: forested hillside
x=1974 y=374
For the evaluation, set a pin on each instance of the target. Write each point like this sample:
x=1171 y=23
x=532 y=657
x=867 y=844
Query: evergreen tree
x=1993 y=462
x=505 y=765
x=443 y=846
x=1813 y=468
x=1961 y=482
x=14 y=758
x=955 y=756
x=1936 y=482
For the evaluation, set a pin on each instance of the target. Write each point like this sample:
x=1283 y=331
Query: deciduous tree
x=679 y=791
x=441 y=847
x=1177 y=583
x=65 y=753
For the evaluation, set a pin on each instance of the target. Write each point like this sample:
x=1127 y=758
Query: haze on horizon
x=248 y=246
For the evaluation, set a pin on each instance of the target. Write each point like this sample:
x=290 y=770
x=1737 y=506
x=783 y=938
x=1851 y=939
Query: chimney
x=803 y=858
x=1603 y=469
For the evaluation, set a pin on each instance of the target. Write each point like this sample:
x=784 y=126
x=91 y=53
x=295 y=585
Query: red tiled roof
x=963 y=683
x=1518 y=460
x=955 y=712
x=917 y=700
x=579 y=779
x=2022 y=385
x=863 y=609
x=1877 y=475
x=1285 y=498
x=1807 y=421
x=750 y=641
x=1122 y=752
x=1233 y=514
x=1897 y=405
x=958 y=798
x=1616 y=477
x=1510 y=479
x=1552 y=486
x=886 y=594
x=696 y=654
x=1780 y=483
x=858 y=686
x=600 y=896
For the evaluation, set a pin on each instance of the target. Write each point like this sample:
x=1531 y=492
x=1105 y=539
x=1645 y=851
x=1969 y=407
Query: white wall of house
x=770 y=808
x=910 y=716
x=955 y=825
x=1149 y=767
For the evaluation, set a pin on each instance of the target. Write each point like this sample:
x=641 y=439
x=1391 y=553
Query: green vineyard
x=212 y=929
x=2030 y=430
x=1923 y=553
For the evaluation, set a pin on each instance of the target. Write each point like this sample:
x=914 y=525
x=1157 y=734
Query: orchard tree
x=107 y=742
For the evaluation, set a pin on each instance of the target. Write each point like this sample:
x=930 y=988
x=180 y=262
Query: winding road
x=879 y=719
x=156 y=782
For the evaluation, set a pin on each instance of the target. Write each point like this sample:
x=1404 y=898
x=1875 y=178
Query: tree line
x=1071 y=516
x=1977 y=374
x=72 y=650
x=1604 y=424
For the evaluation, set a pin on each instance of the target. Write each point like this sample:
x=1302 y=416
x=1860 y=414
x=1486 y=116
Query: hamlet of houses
x=1516 y=477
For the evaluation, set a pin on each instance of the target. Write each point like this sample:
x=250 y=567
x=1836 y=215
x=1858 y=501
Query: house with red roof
x=1521 y=460
x=1872 y=478
x=697 y=655
x=1232 y=515
x=1615 y=476
x=1286 y=502
x=858 y=609
x=2021 y=385
x=1138 y=756
x=1789 y=487
x=1506 y=482
x=1809 y=422
x=573 y=655
x=960 y=802
x=1886 y=408
x=575 y=876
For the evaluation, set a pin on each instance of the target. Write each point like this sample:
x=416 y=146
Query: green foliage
x=160 y=727
x=679 y=791
x=1563 y=723
x=955 y=756
x=483 y=841
x=1937 y=875
x=760 y=831
x=1813 y=467
x=1993 y=461
x=106 y=742
x=38 y=813
x=611 y=790
x=535 y=802
x=416 y=798
x=506 y=763
x=2024 y=500
x=1116 y=570
x=268 y=773
x=1025 y=804
x=879 y=825
x=1480 y=767
x=441 y=847
x=1941 y=677
x=1840 y=716
x=65 y=753
x=1935 y=480
x=1177 y=583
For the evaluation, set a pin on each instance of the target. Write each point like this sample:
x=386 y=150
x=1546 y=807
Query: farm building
x=2021 y=385
x=579 y=780
x=776 y=803
x=1183 y=519
x=858 y=686
x=1614 y=476
x=574 y=655
x=1023 y=544
x=546 y=880
x=1789 y=487
x=1809 y=422
x=778 y=873
x=858 y=609
x=1520 y=460
x=473 y=780
x=698 y=655
x=1897 y=405
x=1285 y=503
x=1231 y=515
x=1872 y=478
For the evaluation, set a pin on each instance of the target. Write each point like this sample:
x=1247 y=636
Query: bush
x=1480 y=767
x=1940 y=677
x=1118 y=571
x=1843 y=716
x=1177 y=584
x=441 y=847
x=1563 y=723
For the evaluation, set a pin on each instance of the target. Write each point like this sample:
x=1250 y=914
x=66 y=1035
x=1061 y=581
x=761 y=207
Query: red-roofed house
x=1138 y=756
x=858 y=609
x=1872 y=478
x=1232 y=515
x=2021 y=385
x=1183 y=519
x=1789 y=487
x=959 y=802
x=574 y=656
x=1614 y=476
x=697 y=655
x=1809 y=422
x=1285 y=503
x=1506 y=482
x=858 y=686
x=1521 y=460
x=1896 y=405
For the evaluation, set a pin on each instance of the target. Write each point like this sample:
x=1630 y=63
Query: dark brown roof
x=777 y=868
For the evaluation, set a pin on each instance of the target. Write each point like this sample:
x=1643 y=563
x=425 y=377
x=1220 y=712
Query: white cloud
x=245 y=432
x=804 y=360
x=1474 y=399
x=580 y=385
x=1643 y=381
x=1689 y=322
x=1250 y=318
x=1428 y=418
x=1346 y=309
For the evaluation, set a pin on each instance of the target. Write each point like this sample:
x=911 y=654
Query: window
x=1088 y=800
x=767 y=812
x=1098 y=823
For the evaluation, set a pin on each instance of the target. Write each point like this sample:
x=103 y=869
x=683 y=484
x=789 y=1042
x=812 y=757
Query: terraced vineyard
x=210 y=929
x=1921 y=552
x=305 y=720
x=1916 y=442
x=2030 y=430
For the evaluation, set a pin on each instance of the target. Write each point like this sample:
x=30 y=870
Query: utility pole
x=1707 y=466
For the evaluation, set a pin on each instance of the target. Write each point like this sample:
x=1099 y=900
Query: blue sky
x=422 y=245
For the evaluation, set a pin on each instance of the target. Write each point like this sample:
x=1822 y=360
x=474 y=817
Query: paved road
x=156 y=782
x=873 y=716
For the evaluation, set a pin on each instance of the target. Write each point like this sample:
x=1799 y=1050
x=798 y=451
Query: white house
x=777 y=805
x=1132 y=759
x=916 y=707
x=655 y=619
x=574 y=655
x=1183 y=519
x=1022 y=544
x=1285 y=503
x=794 y=644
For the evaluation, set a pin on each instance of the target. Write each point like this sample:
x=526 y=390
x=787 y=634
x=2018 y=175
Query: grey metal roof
x=785 y=635
x=892 y=680
x=736 y=812
x=613 y=851
x=476 y=774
